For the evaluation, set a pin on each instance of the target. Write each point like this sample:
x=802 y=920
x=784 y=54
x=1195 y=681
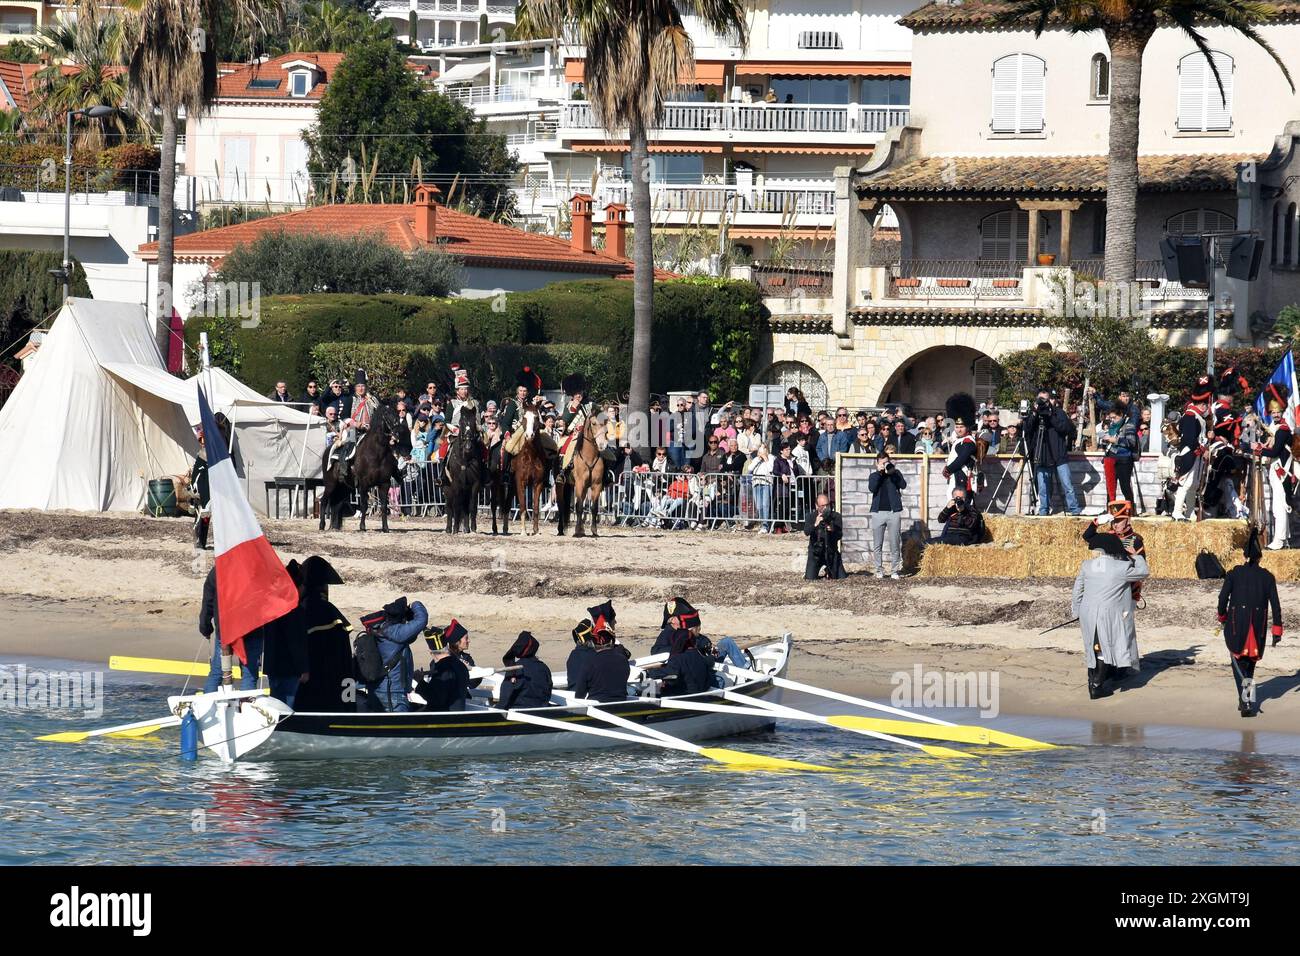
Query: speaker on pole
x=1244 y=255
x=1184 y=260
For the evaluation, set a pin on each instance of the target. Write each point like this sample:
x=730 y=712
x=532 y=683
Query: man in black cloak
x=329 y=678
x=1248 y=594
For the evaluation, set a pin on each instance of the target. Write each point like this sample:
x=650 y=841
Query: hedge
x=21 y=165
x=491 y=368
x=707 y=331
x=29 y=294
x=1167 y=369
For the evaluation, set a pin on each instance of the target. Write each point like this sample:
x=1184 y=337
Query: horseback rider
x=463 y=400
x=355 y=425
x=527 y=384
x=574 y=417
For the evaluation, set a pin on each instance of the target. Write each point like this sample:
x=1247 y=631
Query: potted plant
x=1046 y=259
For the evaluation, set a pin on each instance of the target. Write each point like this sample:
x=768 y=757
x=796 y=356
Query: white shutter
x=1201 y=107
x=1019 y=94
x=1033 y=90
x=295 y=171
x=234 y=170
x=1006 y=93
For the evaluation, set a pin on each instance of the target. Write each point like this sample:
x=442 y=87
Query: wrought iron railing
x=795 y=278
x=955 y=279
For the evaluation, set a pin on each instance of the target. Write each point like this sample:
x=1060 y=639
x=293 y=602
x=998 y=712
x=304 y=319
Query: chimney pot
x=580 y=208
x=426 y=212
x=616 y=230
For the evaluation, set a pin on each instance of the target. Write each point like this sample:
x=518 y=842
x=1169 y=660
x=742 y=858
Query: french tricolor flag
x=253 y=587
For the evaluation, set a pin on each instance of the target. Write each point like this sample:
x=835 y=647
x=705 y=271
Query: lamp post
x=93 y=112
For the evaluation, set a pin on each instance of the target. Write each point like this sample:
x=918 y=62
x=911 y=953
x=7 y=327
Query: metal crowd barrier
x=664 y=500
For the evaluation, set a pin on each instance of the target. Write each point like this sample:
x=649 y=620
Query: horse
x=373 y=466
x=498 y=480
x=464 y=475
x=530 y=468
x=588 y=480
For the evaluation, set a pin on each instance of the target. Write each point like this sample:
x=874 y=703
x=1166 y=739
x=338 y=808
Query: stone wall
x=1005 y=490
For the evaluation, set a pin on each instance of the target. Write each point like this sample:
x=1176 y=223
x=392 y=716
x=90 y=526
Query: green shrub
x=491 y=368
x=29 y=294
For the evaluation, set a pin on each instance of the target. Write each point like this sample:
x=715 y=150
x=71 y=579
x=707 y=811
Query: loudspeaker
x=1244 y=256
x=1184 y=261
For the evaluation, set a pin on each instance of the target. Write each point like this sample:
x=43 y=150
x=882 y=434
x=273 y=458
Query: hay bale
x=1285 y=565
x=1054 y=547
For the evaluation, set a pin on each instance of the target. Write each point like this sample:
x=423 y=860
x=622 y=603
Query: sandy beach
x=84 y=588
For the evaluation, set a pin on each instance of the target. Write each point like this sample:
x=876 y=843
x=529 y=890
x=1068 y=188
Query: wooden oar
x=848 y=722
x=140 y=728
x=762 y=708
x=653 y=738
x=153 y=665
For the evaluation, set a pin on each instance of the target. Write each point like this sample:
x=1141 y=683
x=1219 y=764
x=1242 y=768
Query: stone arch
x=804 y=377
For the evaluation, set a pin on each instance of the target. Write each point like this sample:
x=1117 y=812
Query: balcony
x=447 y=9
x=504 y=95
x=709 y=203
x=728 y=122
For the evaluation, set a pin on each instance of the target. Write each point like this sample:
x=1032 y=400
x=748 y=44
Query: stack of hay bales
x=1023 y=547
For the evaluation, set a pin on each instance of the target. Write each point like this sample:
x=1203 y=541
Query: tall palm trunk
x=1126 y=48
x=166 y=232
x=643 y=281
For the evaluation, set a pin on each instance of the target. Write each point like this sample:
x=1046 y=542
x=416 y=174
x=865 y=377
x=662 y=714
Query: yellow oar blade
x=67 y=737
x=1022 y=743
x=910 y=728
x=137 y=731
x=737 y=758
x=946 y=752
x=155 y=665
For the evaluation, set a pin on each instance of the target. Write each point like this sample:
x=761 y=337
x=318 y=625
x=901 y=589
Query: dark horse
x=373 y=466
x=464 y=475
x=498 y=479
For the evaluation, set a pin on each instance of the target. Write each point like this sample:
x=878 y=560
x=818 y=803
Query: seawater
x=1116 y=796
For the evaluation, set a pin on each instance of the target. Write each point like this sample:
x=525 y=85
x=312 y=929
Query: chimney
x=580 y=207
x=616 y=230
x=426 y=212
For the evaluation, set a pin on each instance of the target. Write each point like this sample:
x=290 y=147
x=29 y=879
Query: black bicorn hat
x=525 y=645
x=602 y=617
x=1111 y=544
x=316 y=571
x=680 y=608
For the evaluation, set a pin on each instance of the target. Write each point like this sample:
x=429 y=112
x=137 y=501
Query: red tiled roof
x=17 y=78
x=236 y=85
x=475 y=241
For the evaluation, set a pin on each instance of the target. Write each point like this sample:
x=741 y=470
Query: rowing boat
x=252 y=726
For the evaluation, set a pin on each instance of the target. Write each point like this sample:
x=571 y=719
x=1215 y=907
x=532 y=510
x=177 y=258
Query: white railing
x=724 y=197
x=503 y=93
x=540 y=134
x=820 y=40
x=754 y=118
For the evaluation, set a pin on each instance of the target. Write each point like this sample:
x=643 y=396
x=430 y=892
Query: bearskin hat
x=574 y=384
x=960 y=408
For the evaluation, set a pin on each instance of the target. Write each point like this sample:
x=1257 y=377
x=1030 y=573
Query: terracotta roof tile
x=236 y=85
x=476 y=241
x=17 y=78
x=1025 y=177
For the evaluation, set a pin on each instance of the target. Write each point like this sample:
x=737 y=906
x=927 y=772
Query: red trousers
x=1108 y=465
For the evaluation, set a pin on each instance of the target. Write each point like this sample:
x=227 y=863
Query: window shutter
x=1201 y=107
x=238 y=155
x=1218 y=106
x=1032 y=93
x=1006 y=93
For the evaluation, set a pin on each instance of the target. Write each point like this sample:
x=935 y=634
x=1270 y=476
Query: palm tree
x=83 y=69
x=172 y=66
x=326 y=27
x=637 y=52
x=1128 y=26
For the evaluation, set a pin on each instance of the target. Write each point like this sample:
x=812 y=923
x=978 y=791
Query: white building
x=447 y=23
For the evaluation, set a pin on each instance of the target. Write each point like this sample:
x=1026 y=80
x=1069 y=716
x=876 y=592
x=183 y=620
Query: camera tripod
x=1022 y=449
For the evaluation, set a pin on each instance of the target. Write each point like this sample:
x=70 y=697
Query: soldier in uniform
x=329 y=645
x=961 y=464
x=1221 y=492
x=574 y=416
x=356 y=424
x=1278 y=455
x=446 y=685
x=1191 y=448
x=1248 y=594
x=527 y=384
x=463 y=400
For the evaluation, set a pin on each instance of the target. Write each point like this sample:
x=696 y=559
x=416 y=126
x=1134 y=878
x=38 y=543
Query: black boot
x=1097 y=682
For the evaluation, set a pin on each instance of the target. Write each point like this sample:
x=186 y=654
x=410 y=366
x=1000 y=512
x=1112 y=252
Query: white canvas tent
x=99 y=416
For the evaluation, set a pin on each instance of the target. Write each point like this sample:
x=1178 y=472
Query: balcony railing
x=540 y=134
x=1150 y=274
x=795 y=278
x=755 y=118
x=955 y=279
x=820 y=40
x=724 y=198
x=503 y=93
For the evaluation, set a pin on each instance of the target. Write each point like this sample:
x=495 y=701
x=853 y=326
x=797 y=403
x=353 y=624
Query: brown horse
x=530 y=468
x=588 y=475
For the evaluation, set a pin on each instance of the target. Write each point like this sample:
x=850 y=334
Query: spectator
x=733 y=462
x=711 y=463
x=926 y=442
x=991 y=429
x=828 y=444
x=903 y=440
x=824 y=528
x=962 y=522
x=1120 y=442
x=761 y=478
x=749 y=438
x=886 y=486
x=795 y=403
x=331 y=425
x=861 y=444
x=681 y=421
x=280 y=393
x=313 y=396
x=804 y=453
x=1010 y=441
x=1048 y=436
x=786 y=472
x=339 y=399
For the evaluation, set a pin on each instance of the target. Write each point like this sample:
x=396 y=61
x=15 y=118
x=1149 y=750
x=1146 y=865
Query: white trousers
x=1187 y=487
x=1281 y=510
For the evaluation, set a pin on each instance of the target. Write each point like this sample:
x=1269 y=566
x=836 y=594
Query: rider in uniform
x=527 y=384
x=356 y=425
x=463 y=400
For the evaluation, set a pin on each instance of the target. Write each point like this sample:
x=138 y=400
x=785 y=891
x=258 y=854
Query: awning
x=776 y=232
x=795 y=68
x=706 y=73
x=808 y=150
x=654 y=148
x=462 y=73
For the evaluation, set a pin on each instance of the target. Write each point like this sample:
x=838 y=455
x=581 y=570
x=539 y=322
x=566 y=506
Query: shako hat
x=460 y=375
x=528 y=379
x=1203 y=390
x=1232 y=382
x=583 y=633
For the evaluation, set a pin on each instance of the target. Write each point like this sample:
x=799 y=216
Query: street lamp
x=91 y=112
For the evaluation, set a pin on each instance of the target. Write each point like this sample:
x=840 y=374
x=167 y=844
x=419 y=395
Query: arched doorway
x=925 y=381
x=800 y=376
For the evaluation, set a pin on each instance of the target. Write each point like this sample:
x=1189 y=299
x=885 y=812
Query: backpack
x=1208 y=566
x=370 y=664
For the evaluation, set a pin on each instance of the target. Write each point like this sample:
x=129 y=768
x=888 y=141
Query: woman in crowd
x=785 y=474
x=759 y=472
x=1120 y=441
x=749 y=438
x=796 y=404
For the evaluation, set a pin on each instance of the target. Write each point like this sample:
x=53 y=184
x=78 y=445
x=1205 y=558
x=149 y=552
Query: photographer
x=1048 y=432
x=824 y=528
x=962 y=523
x=886 y=486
